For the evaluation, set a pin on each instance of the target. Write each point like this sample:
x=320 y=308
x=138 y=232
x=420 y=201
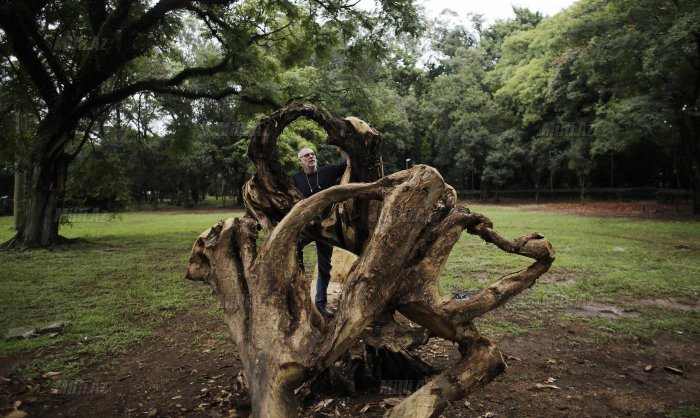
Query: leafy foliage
x=169 y=113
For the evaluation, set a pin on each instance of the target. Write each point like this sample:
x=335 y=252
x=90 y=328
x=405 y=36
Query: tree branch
x=207 y=15
x=152 y=84
x=97 y=14
x=30 y=23
x=19 y=75
x=86 y=135
x=10 y=18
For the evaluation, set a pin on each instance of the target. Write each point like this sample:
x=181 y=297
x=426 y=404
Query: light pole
x=408 y=160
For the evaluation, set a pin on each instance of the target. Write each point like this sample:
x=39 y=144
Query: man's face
x=307 y=159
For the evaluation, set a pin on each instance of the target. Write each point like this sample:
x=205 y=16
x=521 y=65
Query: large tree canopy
x=76 y=59
x=161 y=90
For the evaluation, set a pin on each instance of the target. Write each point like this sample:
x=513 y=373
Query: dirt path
x=642 y=210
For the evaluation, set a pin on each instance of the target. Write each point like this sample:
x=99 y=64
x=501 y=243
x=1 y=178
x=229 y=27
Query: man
x=310 y=180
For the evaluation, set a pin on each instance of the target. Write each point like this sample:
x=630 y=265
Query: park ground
x=612 y=330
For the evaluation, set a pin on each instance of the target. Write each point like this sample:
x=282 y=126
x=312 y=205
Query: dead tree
x=402 y=227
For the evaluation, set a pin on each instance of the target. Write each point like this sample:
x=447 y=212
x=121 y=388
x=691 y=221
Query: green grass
x=688 y=411
x=612 y=260
x=114 y=289
x=128 y=277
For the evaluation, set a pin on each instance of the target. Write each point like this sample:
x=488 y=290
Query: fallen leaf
x=324 y=403
x=541 y=386
x=551 y=361
x=551 y=380
x=508 y=357
x=648 y=368
x=365 y=408
x=152 y=412
x=16 y=414
x=176 y=397
x=51 y=374
x=673 y=370
x=489 y=415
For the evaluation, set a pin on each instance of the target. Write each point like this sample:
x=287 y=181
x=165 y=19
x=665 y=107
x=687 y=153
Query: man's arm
x=338 y=169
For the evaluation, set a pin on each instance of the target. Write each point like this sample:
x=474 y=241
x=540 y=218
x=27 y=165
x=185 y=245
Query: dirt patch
x=566 y=278
x=667 y=303
x=591 y=380
x=602 y=310
x=190 y=370
x=646 y=210
x=177 y=373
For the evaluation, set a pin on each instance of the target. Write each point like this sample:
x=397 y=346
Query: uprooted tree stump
x=402 y=227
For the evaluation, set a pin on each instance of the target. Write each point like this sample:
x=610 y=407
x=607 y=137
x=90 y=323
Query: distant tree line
x=603 y=94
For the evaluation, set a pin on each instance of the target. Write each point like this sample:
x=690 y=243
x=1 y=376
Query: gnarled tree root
x=402 y=227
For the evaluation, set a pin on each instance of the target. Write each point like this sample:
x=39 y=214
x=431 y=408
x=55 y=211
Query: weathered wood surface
x=402 y=227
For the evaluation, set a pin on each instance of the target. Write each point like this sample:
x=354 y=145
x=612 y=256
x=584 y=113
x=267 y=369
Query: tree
x=79 y=58
x=463 y=119
x=401 y=226
x=641 y=61
x=491 y=39
x=621 y=76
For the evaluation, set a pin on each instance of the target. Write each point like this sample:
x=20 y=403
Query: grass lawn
x=611 y=260
x=128 y=277
x=115 y=289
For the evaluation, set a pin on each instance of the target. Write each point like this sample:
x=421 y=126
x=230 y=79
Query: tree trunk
x=43 y=210
x=20 y=197
x=690 y=128
x=402 y=227
x=45 y=181
x=612 y=170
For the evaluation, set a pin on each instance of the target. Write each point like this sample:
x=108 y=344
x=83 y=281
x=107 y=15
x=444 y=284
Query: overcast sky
x=494 y=9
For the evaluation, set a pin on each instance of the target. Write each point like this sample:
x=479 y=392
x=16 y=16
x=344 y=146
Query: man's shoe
x=326 y=312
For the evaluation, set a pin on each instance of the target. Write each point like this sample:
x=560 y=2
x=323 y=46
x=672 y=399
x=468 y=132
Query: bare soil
x=556 y=371
x=645 y=210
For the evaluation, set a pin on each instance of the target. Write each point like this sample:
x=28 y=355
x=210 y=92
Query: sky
x=494 y=9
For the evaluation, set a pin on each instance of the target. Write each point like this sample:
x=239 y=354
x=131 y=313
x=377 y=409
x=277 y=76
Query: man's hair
x=299 y=153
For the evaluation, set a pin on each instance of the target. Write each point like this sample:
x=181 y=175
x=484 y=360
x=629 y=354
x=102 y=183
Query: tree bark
x=40 y=228
x=46 y=182
x=690 y=127
x=19 y=199
x=402 y=227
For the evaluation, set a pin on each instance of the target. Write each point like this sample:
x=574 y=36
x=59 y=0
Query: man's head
x=307 y=159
